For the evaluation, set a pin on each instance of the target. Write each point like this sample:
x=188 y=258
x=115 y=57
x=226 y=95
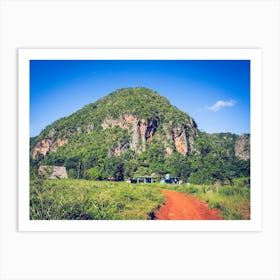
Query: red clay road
x=178 y=206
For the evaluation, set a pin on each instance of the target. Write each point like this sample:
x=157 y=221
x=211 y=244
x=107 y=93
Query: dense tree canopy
x=100 y=154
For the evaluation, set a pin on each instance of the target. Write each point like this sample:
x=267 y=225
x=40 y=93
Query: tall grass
x=73 y=199
x=92 y=200
x=233 y=201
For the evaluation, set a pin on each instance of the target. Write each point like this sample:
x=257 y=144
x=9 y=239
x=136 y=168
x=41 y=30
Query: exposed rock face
x=142 y=131
x=53 y=172
x=42 y=147
x=90 y=128
x=184 y=142
x=48 y=145
x=121 y=148
x=60 y=143
x=180 y=140
x=145 y=131
x=122 y=122
x=242 y=147
x=151 y=129
x=135 y=136
x=191 y=143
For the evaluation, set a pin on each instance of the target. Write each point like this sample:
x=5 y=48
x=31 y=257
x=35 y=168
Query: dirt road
x=178 y=206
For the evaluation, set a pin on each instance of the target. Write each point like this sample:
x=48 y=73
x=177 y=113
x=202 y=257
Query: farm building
x=143 y=179
x=170 y=180
x=52 y=172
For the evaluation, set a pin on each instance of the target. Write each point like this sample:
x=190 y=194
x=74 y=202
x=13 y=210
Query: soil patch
x=178 y=206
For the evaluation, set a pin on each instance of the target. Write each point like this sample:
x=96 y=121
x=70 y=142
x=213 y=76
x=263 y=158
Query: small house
x=143 y=179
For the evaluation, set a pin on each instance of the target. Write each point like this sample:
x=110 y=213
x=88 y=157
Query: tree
x=114 y=168
x=95 y=173
x=74 y=164
x=178 y=166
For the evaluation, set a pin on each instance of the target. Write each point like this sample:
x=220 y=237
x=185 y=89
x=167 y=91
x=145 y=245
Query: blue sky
x=216 y=93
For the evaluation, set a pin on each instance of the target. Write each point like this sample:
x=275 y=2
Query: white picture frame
x=255 y=57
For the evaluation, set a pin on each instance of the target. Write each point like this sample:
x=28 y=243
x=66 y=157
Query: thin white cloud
x=220 y=104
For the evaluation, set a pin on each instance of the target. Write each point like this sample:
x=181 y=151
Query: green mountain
x=136 y=131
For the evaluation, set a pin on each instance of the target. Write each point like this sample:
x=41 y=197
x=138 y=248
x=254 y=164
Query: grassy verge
x=234 y=202
x=92 y=200
x=72 y=199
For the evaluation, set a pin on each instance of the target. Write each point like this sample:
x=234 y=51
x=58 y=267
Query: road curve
x=178 y=206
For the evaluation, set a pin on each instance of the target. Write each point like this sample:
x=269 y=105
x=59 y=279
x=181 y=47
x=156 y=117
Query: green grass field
x=73 y=199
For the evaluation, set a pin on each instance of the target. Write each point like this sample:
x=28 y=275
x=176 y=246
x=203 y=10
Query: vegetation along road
x=76 y=199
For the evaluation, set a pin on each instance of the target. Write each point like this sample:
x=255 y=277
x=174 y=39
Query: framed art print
x=140 y=139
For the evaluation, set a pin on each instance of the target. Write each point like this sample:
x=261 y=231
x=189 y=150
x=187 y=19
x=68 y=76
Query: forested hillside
x=136 y=131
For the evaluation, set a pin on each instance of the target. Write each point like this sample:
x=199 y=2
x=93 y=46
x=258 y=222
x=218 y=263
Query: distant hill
x=136 y=131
